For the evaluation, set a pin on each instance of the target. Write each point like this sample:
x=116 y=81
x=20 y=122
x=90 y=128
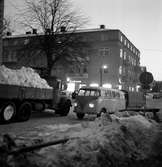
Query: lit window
x=94 y=85
x=107 y=85
x=120 y=80
x=128 y=45
x=121 y=53
x=125 y=42
x=121 y=38
x=120 y=70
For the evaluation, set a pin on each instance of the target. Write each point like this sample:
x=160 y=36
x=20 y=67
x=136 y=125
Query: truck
x=17 y=102
x=138 y=102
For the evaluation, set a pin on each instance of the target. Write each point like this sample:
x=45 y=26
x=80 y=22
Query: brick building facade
x=109 y=49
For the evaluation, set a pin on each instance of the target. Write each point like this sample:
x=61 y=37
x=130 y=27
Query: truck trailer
x=17 y=102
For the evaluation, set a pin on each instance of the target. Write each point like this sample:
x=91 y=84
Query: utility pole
x=101 y=72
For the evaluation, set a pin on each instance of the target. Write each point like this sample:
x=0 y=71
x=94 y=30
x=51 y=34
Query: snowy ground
x=130 y=141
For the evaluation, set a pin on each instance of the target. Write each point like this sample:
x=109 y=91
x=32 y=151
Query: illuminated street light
x=104 y=66
x=67 y=79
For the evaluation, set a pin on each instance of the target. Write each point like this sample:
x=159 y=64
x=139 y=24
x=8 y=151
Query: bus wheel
x=80 y=115
x=103 y=110
x=24 y=111
x=7 y=112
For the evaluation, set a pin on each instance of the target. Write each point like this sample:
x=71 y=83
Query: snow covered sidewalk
x=131 y=141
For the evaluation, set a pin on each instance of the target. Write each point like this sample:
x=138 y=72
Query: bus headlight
x=75 y=104
x=91 y=105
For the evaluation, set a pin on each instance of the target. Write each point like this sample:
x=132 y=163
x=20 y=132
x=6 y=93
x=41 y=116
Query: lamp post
x=102 y=70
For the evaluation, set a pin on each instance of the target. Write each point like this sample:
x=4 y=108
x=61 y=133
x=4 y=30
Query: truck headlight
x=91 y=105
x=75 y=104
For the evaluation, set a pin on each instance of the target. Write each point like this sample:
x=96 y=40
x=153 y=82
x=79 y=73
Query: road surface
x=39 y=120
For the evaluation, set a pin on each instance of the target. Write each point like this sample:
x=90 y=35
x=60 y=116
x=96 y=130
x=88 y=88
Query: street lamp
x=103 y=68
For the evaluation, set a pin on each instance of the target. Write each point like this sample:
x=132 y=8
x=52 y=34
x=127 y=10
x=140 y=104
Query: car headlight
x=91 y=105
x=75 y=104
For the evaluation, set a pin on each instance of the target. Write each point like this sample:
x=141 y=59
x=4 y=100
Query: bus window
x=92 y=93
x=111 y=94
x=87 y=93
x=81 y=92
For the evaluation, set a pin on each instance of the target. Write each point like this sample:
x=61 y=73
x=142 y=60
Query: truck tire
x=80 y=115
x=24 y=112
x=7 y=112
x=65 y=108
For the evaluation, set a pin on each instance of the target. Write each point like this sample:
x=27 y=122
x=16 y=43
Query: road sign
x=146 y=78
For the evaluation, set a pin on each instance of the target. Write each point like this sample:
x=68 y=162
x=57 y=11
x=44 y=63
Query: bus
x=95 y=100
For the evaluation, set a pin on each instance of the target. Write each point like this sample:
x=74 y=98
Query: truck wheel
x=7 y=112
x=80 y=115
x=65 y=111
x=24 y=112
x=65 y=108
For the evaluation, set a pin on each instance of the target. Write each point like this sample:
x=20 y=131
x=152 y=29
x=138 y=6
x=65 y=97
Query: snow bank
x=114 y=142
x=24 y=77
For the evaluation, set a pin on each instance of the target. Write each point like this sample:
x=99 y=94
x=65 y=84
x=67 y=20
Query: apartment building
x=112 y=60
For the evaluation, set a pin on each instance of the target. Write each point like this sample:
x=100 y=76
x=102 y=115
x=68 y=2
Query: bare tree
x=58 y=21
x=7 y=26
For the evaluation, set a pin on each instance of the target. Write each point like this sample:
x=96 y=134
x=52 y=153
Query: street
x=29 y=128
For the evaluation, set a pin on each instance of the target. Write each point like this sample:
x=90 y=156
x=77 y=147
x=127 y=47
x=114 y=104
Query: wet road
x=46 y=119
x=38 y=120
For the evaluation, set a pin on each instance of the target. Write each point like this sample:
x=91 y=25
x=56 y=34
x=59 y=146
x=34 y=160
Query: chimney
x=8 y=33
x=34 y=31
x=102 y=26
x=28 y=32
x=63 y=29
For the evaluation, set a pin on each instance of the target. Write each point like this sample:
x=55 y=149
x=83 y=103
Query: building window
x=104 y=37
x=125 y=42
x=120 y=70
x=125 y=55
x=121 y=53
x=121 y=38
x=104 y=52
x=128 y=45
x=85 y=70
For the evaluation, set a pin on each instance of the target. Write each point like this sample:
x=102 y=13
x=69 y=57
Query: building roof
x=77 y=31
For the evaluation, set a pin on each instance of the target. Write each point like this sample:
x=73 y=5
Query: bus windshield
x=88 y=92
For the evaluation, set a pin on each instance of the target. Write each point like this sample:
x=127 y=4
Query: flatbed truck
x=17 y=102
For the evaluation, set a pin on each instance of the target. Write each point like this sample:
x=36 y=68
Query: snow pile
x=24 y=77
x=117 y=142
